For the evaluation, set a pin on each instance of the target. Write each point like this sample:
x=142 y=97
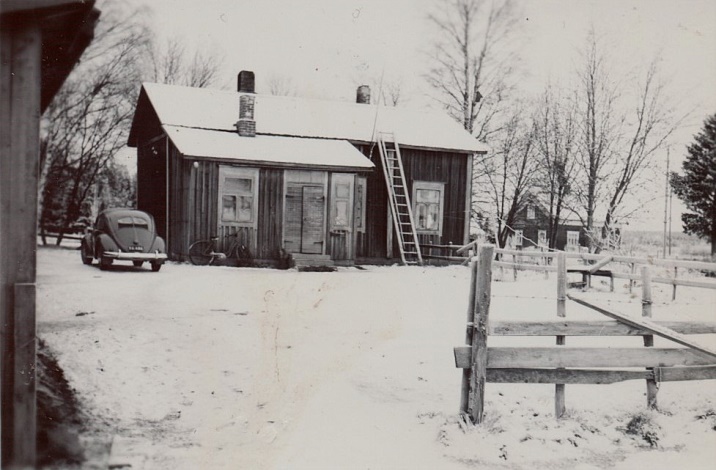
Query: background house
x=531 y=229
x=294 y=175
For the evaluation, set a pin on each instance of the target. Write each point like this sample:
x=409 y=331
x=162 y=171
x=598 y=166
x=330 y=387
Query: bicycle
x=203 y=252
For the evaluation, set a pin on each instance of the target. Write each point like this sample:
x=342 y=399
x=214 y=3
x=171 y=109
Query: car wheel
x=156 y=266
x=105 y=263
x=137 y=263
x=86 y=258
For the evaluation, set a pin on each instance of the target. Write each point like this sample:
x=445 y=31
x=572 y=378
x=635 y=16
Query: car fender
x=158 y=245
x=104 y=243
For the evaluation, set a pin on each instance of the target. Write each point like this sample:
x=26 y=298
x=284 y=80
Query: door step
x=303 y=260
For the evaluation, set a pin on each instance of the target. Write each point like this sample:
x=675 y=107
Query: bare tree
x=507 y=176
x=619 y=135
x=87 y=123
x=472 y=61
x=172 y=64
x=555 y=133
x=281 y=85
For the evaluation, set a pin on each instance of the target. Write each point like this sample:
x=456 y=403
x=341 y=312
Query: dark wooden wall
x=531 y=227
x=151 y=181
x=419 y=165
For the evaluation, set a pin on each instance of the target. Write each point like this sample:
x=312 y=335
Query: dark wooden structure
x=40 y=42
x=533 y=222
x=306 y=172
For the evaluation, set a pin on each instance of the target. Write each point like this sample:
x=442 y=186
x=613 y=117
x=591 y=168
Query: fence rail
x=564 y=364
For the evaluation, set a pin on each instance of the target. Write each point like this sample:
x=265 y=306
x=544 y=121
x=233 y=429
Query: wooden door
x=312 y=231
x=305 y=219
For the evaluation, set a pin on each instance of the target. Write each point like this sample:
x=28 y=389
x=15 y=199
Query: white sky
x=328 y=47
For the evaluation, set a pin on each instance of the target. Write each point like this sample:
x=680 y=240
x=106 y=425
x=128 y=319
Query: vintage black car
x=124 y=235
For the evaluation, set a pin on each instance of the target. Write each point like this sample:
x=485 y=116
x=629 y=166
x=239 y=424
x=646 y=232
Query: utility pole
x=667 y=194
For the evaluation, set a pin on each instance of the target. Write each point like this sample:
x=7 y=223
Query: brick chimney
x=363 y=94
x=246 y=125
x=246 y=82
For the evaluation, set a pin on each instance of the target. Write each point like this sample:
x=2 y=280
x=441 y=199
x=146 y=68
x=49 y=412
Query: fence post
x=631 y=281
x=514 y=267
x=651 y=386
x=676 y=274
x=465 y=390
x=559 y=406
x=478 y=363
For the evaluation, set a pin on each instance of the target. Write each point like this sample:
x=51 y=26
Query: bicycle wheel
x=200 y=253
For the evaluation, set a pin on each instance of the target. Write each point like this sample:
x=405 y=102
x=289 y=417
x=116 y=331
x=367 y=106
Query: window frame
x=572 y=234
x=531 y=212
x=347 y=180
x=359 y=203
x=542 y=240
x=429 y=186
x=252 y=174
x=519 y=237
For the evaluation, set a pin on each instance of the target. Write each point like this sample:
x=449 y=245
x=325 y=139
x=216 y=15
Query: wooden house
x=295 y=176
x=530 y=229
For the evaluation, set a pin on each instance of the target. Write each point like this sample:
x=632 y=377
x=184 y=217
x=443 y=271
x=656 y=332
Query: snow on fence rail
x=568 y=365
x=600 y=261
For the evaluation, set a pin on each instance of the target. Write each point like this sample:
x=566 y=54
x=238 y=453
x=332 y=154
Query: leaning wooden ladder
x=399 y=199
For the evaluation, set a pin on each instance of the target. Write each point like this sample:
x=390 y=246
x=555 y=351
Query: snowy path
x=225 y=368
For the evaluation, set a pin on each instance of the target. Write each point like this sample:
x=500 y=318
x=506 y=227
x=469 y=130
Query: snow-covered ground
x=233 y=368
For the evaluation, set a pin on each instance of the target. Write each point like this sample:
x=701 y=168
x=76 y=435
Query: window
x=428 y=207
x=530 y=212
x=542 y=237
x=360 y=202
x=572 y=238
x=518 y=237
x=238 y=193
x=341 y=201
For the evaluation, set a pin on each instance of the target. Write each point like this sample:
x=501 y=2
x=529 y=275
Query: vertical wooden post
x=559 y=405
x=673 y=291
x=478 y=365
x=651 y=386
x=631 y=281
x=20 y=81
x=514 y=267
x=465 y=391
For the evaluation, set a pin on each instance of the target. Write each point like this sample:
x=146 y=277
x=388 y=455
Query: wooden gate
x=573 y=365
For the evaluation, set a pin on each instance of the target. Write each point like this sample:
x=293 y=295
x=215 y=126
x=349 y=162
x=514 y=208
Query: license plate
x=136 y=248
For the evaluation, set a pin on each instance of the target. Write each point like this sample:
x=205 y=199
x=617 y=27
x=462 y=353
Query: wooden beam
x=651 y=327
x=592 y=328
x=565 y=356
x=651 y=386
x=20 y=50
x=465 y=390
x=479 y=353
x=591 y=376
x=673 y=374
x=599 y=265
x=559 y=390
x=524 y=267
x=563 y=376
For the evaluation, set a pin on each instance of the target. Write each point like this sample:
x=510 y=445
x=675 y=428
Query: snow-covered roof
x=277 y=150
x=205 y=108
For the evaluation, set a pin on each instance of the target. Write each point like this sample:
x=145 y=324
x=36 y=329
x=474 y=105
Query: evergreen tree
x=697 y=186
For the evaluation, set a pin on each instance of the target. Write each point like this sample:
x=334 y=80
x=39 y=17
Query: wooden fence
x=562 y=364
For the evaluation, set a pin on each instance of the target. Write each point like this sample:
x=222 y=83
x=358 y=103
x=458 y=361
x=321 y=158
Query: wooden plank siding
x=151 y=181
x=420 y=165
